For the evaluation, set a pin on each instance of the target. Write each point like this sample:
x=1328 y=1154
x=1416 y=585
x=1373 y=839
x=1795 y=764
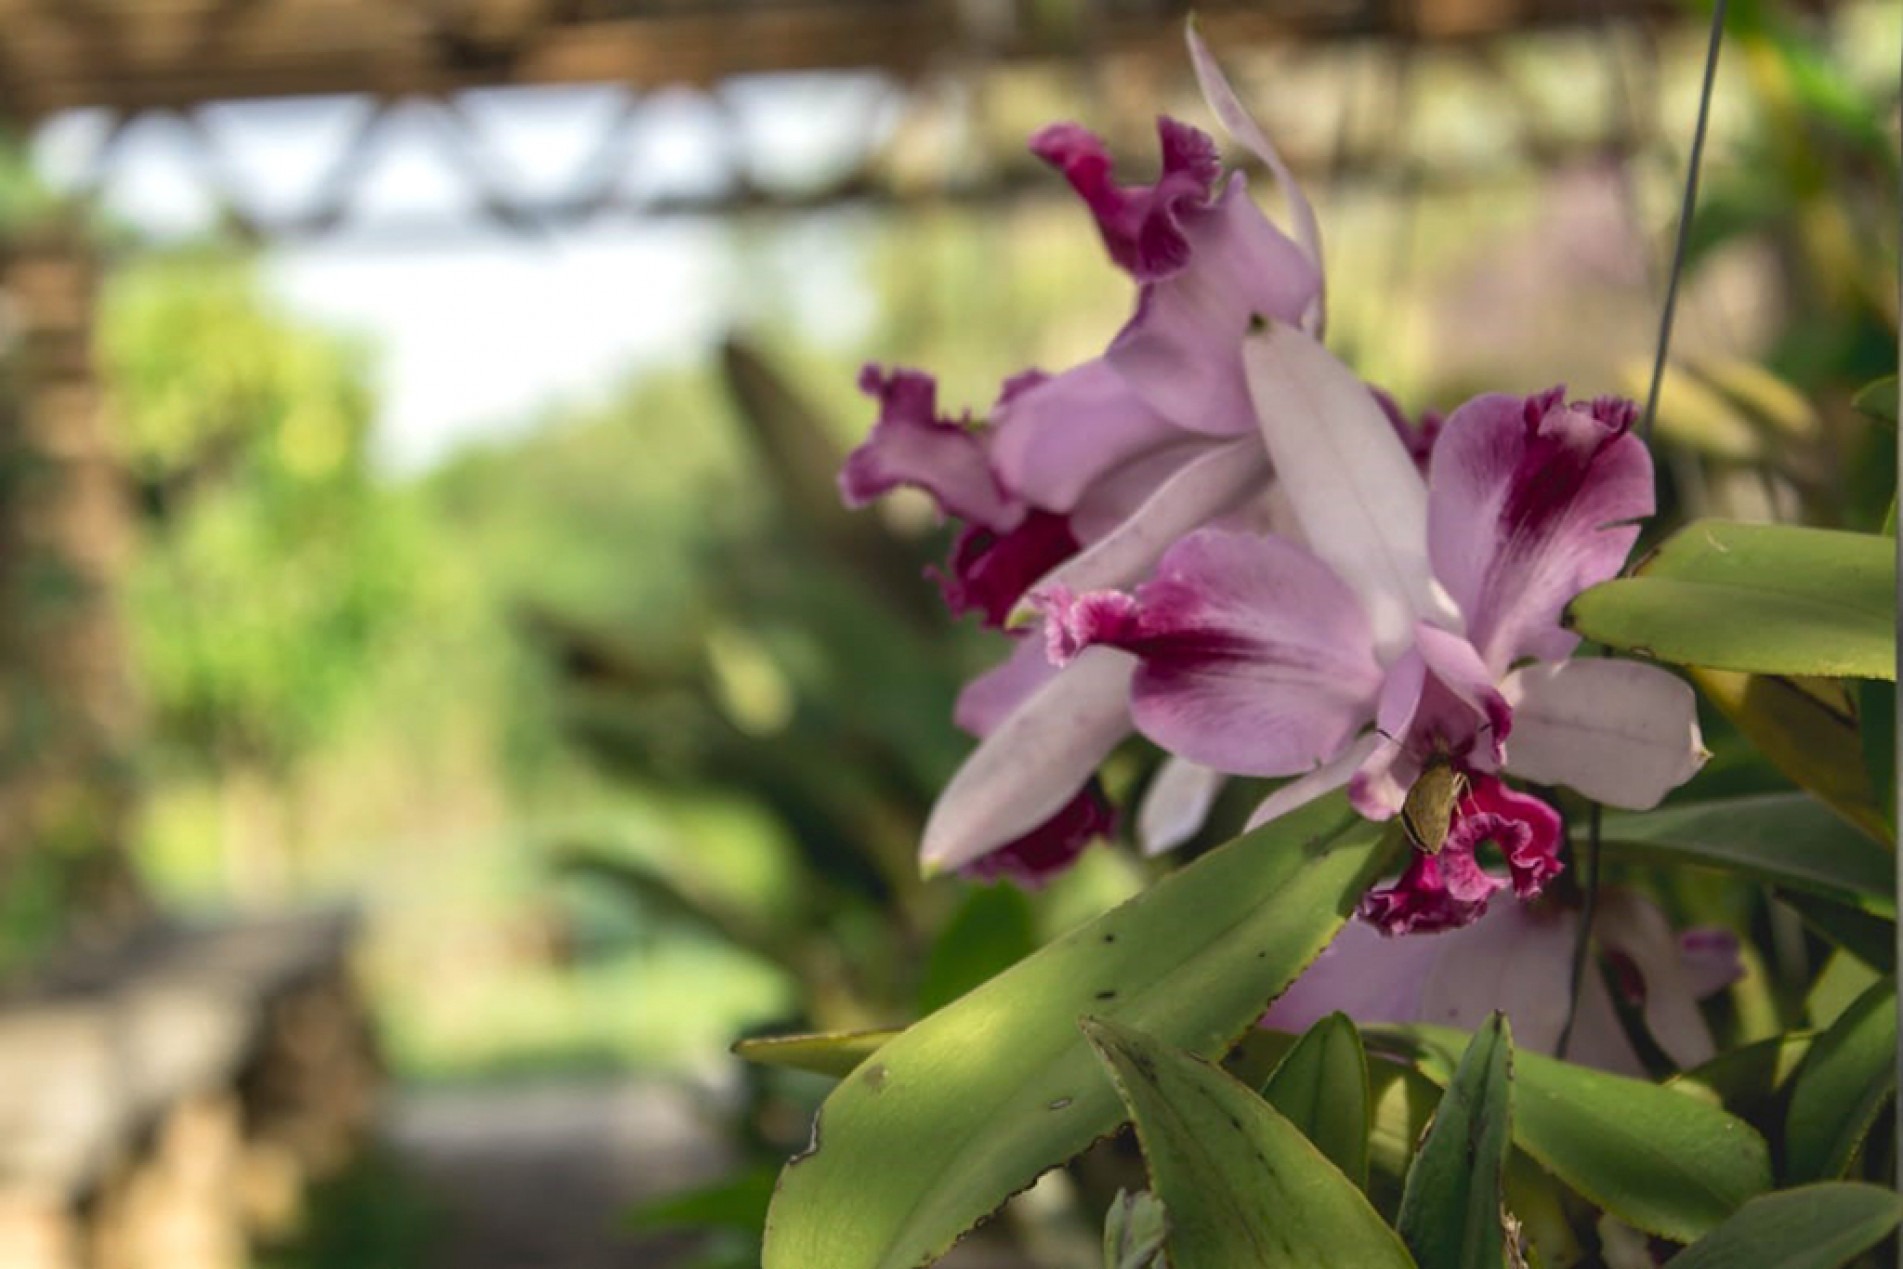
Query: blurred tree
x=274 y=564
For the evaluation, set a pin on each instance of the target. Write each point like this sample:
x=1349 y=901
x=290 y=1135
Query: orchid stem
x=1582 y=946
x=1685 y=210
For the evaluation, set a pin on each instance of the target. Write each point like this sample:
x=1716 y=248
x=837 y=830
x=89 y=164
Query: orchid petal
x=1255 y=659
x=1529 y=502
x=1201 y=489
x=1361 y=502
x=990 y=698
x=1235 y=117
x=1032 y=763
x=1362 y=973
x=1619 y=732
x=912 y=445
x=1141 y=225
x=1302 y=790
x=1179 y=351
x=1052 y=440
x=1457 y=666
x=1632 y=927
x=1053 y=846
x=1176 y=804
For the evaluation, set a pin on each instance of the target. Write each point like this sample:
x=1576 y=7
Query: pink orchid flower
x=1084 y=478
x=1415 y=623
x=1518 y=958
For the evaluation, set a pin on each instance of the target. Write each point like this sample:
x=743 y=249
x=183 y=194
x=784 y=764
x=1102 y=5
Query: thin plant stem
x=1589 y=859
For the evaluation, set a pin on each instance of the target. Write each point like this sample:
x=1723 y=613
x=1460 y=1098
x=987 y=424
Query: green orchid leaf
x=1655 y=1158
x=1451 y=1209
x=1321 y=1087
x=1876 y=727
x=1807 y=729
x=992 y=930
x=1786 y=839
x=1878 y=400
x=971 y=1104
x=1761 y=598
x=834 y=1053
x=1809 y=1227
x=1243 y=1187
x=1846 y=1077
x=1868 y=936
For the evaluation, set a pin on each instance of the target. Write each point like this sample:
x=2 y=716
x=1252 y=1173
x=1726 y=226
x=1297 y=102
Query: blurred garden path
x=533 y=1175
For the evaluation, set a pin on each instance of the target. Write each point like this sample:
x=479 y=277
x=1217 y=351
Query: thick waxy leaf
x=1450 y=1210
x=1878 y=400
x=1786 y=839
x=1322 y=1088
x=1806 y=728
x=1810 y=1227
x=1747 y=1080
x=834 y=1053
x=992 y=930
x=1762 y=598
x=969 y=1105
x=1653 y=1157
x=1844 y=1081
x=1243 y=1187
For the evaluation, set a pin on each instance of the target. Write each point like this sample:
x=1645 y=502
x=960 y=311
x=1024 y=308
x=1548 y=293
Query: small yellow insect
x=1428 y=811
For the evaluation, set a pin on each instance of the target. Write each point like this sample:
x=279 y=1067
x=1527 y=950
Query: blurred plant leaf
x=1651 y=1156
x=1808 y=1227
x=1694 y=414
x=1242 y=1185
x=1878 y=401
x=971 y=1104
x=1760 y=598
x=1451 y=1211
x=1807 y=729
x=1321 y=1087
x=1844 y=1081
x=667 y=898
x=737 y=1202
x=992 y=930
x=834 y=1053
x=1787 y=839
x=1134 y=1230
x=1865 y=935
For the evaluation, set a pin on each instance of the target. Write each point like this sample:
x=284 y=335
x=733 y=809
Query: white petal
x=1176 y=804
x=1033 y=763
x=1632 y=926
x=1199 y=491
x=1235 y=117
x=1328 y=777
x=1361 y=501
x=1620 y=732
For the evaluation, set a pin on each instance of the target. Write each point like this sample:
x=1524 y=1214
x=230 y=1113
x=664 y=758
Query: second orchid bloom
x=1235 y=547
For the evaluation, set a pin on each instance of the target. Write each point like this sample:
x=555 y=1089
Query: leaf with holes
x=970 y=1105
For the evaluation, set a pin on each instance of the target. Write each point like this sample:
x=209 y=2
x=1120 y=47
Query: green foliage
x=274 y=567
x=1452 y=1209
x=1321 y=1087
x=1002 y=1086
x=1652 y=1156
x=1764 y=599
x=1134 y=1230
x=991 y=931
x=1806 y=1227
x=1244 y=1189
x=1783 y=839
x=1847 y=1076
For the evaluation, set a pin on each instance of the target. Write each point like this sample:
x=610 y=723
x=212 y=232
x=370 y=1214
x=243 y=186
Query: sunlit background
x=444 y=704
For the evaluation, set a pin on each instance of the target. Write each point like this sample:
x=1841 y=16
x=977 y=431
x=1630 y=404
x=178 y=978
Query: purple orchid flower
x=1518 y=958
x=1084 y=478
x=1414 y=625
